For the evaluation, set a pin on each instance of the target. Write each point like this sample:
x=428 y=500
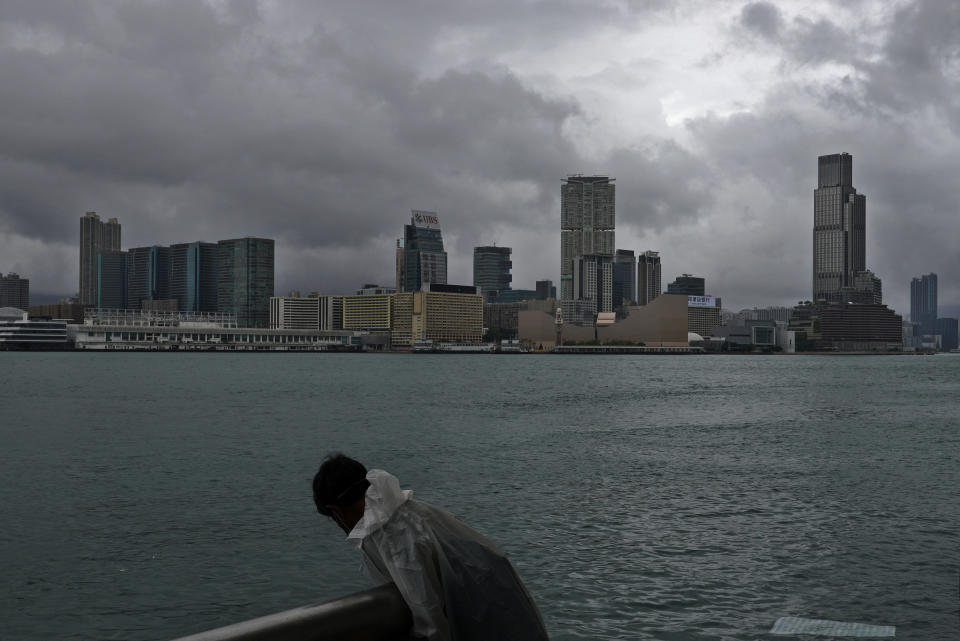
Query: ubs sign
x=425 y=218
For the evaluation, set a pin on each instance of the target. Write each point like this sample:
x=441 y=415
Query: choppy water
x=146 y=496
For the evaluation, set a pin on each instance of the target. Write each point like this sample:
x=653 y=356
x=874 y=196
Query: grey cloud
x=660 y=185
x=321 y=125
x=762 y=18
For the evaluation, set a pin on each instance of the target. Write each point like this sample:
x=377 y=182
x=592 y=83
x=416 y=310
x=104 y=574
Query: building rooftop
x=12 y=313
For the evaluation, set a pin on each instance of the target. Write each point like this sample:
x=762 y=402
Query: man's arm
x=411 y=563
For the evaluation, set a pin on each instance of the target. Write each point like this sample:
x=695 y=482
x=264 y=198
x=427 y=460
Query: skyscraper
x=14 y=291
x=491 y=270
x=688 y=285
x=148 y=275
x=423 y=261
x=112 y=280
x=545 y=289
x=648 y=277
x=923 y=302
x=587 y=223
x=624 y=278
x=839 y=228
x=245 y=279
x=95 y=236
x=193 y=276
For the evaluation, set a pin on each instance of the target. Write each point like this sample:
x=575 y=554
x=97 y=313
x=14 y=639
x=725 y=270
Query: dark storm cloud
x=323 y=124
x=893 y=112
x=317 y=127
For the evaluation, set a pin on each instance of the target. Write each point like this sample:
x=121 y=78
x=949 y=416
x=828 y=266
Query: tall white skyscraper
x=587 y=245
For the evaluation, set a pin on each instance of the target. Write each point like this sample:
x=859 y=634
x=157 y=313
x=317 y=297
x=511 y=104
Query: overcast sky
x=322 y=124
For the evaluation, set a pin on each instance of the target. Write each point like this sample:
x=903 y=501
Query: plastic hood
x=382 y=499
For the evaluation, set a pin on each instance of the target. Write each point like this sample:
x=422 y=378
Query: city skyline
x=715 y=163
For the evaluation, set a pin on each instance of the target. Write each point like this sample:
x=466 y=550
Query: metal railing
x=379 y=614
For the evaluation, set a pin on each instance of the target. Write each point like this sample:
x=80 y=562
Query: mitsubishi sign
x=425 y=219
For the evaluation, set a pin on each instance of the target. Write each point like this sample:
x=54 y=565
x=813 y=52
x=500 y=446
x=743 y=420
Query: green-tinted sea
x=147 y=496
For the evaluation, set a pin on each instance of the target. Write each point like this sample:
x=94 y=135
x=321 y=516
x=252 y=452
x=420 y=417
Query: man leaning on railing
x=458 y=585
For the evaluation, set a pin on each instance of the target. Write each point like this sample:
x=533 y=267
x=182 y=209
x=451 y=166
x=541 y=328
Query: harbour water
x=147 y=496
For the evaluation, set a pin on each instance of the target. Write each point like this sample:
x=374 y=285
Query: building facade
x=839 y=228
x=648 y=277
x=148 y=275
x=19 y=332
x=245 y=279
x=703 y=314
x=14 y=291
x=923 y=302
x=331 y=311
x=624 y=278
x=947 y=330
x=70 y=312
x=95 y=236
x=287 y=312
x=867 y=289
x=491 y=270
x=847 y=328
x=545 y=289
x=423 y=259
x=112 y=281
x=587 y=245
x=193 y=276
x=371 y=289
x=368 y=312
x=687 y=285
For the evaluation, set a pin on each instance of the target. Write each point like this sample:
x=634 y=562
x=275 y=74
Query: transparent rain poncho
x=458 y=585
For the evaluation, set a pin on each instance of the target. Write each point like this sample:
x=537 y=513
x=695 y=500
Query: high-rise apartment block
x=245 y=279
x=14 y=291
x=648 y=277
x=923 y=302
x=624 y=278
x=95 y=236
x=148 y=275
x=491 y=270
x=112 y=280
x=839 y=228
x=587 y=224
x=421 y=259
x=193 y=276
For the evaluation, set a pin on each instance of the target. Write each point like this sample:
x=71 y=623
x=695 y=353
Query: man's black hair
x=339 y=481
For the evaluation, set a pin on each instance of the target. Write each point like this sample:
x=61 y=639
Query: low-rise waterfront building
x=287 y=312
x=129 y=330
x=331 y=311
x=19 y=332
x=779 y=314
x=661 y=322
x=847 y=327
x=367 y=312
